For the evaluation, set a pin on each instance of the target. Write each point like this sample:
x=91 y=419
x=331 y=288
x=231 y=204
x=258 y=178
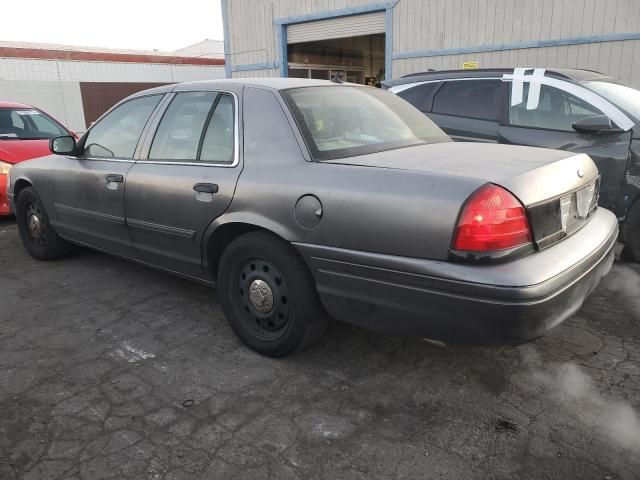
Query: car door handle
x=206 y=188
x=115 y=178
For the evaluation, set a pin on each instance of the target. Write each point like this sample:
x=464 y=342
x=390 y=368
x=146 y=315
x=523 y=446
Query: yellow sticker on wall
x=470 y=65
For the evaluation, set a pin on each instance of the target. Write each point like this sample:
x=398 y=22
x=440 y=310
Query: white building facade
x=76 y=85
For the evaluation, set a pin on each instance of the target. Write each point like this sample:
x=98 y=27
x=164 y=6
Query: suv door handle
x=206 y=188
x=115 y=178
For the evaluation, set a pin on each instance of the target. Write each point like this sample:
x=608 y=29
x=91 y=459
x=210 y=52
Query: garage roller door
x=341 y=27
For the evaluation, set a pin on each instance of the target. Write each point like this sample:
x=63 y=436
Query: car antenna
x=336 y=78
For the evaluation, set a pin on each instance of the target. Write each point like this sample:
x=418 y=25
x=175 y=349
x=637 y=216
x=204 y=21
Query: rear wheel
x=268 y=295
x=631 y=231
x=38 y=236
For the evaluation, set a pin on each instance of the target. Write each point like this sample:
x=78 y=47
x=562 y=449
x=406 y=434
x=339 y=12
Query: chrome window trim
x=204 y=163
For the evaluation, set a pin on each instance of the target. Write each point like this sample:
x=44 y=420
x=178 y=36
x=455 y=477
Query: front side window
x=117 y=134
x=555 y=110
x=27 y=124
x=344 y=121
x=479 y=99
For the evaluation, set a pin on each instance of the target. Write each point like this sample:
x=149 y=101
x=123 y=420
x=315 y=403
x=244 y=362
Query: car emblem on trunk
x=581 y=172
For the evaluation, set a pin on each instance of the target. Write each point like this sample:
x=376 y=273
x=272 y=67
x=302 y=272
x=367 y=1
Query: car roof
x=13 y=105
x=571 y=74
x=275 y=83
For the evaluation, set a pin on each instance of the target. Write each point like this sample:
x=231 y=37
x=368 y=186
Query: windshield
x=346 y=121
x=625 y=98
x=27 y=124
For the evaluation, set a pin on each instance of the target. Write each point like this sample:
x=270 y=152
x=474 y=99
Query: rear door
x=88 y=190
x=468 y=109
x=548 y=123
x=185 y=178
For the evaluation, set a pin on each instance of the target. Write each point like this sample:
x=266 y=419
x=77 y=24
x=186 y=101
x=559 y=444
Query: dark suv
x=576 y=110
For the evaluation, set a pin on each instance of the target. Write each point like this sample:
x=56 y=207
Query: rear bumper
x=504 y=304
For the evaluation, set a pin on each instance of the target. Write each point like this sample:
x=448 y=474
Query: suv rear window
x=345 y=121
x=469 y=98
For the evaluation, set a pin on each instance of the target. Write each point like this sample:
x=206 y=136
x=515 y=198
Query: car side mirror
x=64 y=145
x=594 y=123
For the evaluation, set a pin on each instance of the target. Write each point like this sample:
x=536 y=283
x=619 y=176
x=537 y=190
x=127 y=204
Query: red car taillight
x=491 y=219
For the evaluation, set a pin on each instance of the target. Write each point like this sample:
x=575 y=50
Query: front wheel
x=38 y=236
x=269 y=296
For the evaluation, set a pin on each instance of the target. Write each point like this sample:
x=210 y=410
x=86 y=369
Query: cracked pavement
x=113 y=370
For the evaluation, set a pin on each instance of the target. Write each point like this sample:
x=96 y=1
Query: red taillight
x=492 y=219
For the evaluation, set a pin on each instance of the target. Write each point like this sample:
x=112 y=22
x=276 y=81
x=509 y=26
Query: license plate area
x=555 y=219
x=576 y=207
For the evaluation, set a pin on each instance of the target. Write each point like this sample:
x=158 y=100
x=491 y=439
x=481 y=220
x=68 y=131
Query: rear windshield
x=27 y=124
x=345 y=121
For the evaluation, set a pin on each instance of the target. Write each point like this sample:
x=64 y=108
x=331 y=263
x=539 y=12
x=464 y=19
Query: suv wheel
x=269 y=296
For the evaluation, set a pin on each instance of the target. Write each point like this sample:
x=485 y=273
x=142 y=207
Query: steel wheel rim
x=263 y=298
x=36 y=226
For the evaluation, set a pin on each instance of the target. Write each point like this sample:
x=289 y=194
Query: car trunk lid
x=558 y=189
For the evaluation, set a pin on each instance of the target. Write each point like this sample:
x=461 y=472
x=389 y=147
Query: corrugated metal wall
x=252 y=36
x=425 y=26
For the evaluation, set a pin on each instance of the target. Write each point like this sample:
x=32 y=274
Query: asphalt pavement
x=112 y=370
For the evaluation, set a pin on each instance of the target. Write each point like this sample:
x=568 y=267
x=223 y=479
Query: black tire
x=631 y=231
x=296 y=318
x=38 y=236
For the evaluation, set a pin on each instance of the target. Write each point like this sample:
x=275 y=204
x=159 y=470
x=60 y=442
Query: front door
x=88 y=190
x=548 y=123
x=186 y=180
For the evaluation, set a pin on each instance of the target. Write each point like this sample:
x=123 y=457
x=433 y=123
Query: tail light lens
x=492 y=219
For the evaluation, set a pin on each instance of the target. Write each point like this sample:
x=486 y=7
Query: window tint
x=218 y=144
x=180 y=130
x=420 y=95
x=469 y=98
x=117 y=134
x=556 y=110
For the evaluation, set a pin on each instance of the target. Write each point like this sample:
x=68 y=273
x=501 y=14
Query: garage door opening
x=354 y=59
x=351 y=46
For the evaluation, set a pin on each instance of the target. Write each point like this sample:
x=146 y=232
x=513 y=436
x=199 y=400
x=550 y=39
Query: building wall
x=603 y=35
x=54 y=85
x=424 y=27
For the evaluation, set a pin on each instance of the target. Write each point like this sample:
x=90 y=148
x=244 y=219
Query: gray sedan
x=301 y=198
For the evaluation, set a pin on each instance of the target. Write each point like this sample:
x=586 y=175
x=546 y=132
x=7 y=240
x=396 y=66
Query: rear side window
x=117 y=134
x=478 y=99
x=420 y=96
x=179 y=132
x=556 y=110
x=196 y=126
x=218 y=144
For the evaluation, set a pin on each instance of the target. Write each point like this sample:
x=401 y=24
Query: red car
x=24 y=134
